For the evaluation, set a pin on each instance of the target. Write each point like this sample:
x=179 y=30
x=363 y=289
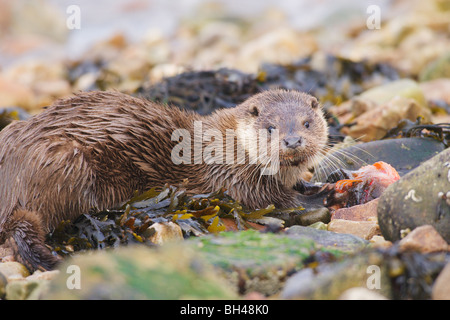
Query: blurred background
x=49 y=50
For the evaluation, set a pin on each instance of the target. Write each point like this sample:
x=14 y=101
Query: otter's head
x=293 y=122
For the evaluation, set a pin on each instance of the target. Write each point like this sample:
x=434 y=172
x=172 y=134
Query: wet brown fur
x=94 y=150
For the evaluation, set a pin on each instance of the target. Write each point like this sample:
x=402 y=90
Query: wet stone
x=404 y=154
x=26 y=289
x=439 y=68
x=362 y=212
x=362 y=229
x=328 y=239
x=424 y=239
x=313 y=216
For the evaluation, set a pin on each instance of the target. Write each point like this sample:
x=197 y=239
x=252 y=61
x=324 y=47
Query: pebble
x=375 y=123
x=43 y=275
x=165 y=232
x=362 y=212
x=438 y=89
x=424 y=239
x=361 y=293
x=26 y=289
x=441 y=287
x=380 y=242
x=330 y=240
x=16 y=283
x=436 y=69
x=314 y=216
x=12 y=269
x=15 y=94
x=330 y=281
x=362 y=229
x=405 y=88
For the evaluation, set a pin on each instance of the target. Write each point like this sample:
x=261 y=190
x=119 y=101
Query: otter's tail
x=24 y=233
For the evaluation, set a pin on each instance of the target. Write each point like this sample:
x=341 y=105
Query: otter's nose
x=292 y=141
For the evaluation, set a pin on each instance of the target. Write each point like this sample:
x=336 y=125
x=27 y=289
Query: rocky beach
x=381 y=229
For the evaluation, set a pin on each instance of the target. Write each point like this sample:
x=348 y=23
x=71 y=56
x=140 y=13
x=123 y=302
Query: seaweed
x=335 y=80
x=196 y=215
x=407 y=129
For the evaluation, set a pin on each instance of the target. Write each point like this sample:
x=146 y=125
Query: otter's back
x=91 y=150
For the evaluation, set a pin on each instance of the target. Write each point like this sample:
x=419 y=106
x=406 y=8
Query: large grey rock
x=404 y=154
x=419 y=198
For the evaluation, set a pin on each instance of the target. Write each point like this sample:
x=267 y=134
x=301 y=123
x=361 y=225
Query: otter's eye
x=271 y=129
x=306 y=124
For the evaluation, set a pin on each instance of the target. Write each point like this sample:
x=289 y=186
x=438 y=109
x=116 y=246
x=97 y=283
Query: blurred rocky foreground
x=375 y=84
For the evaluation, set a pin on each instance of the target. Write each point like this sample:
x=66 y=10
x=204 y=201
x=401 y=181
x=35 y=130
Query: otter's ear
x=254 y=110
x=314 y=103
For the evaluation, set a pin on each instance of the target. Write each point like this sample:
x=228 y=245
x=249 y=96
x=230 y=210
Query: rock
x=424 y=239
x=438 y=89
x=330 y=281
x=380 y=242
x=403 y=154
x=380 y=108
x=282 y=45
x=421 y=197
x=438 y=68
x=318 y=225
x=15 y=94
x=26 y=289
x=405 y=88
x=13 y=270
x=441 y=287
x=362 y=212
x=362 y=229
x=313 y=216
x=329 y=240
x=390 y=273
x=361 y=293
x=46 y=81
x=43 y=275
x=375 y=123
x=168 y=272
x=39 y=18
x=164 y=232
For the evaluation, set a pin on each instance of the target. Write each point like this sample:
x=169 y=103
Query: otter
x=96 y=149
